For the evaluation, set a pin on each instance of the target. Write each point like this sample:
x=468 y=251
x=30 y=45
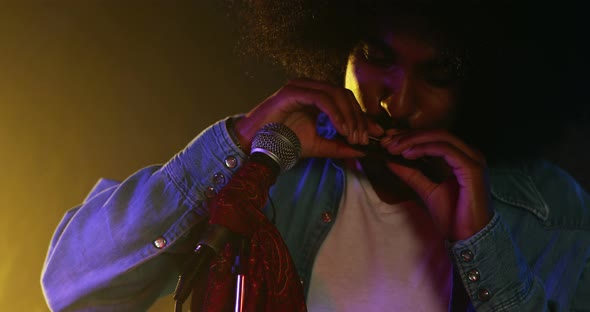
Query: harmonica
x=423 y=164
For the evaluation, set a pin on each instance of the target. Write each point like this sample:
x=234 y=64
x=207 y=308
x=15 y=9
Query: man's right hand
x=297 y=105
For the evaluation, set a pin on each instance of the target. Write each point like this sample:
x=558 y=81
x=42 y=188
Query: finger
x=415 y=179
x=344 y=102
x=292 y=98
x=470 y=177
x=459 y=162
x=392 y=137
x=374 y=129
x=363 y=134
x=339 y=99
x=402 y=141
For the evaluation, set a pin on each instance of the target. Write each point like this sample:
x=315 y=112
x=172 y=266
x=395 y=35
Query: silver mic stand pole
x=239 y=270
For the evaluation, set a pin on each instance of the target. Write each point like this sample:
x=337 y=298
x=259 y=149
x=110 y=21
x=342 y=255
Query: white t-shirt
x=380 y=257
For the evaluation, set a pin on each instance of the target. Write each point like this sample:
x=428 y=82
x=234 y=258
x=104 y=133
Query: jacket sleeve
x=581 y=301
x=494 y=274
x=119 y=250
x=497 y=276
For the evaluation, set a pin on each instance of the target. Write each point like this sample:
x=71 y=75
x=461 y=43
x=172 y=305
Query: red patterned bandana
x=271 y=282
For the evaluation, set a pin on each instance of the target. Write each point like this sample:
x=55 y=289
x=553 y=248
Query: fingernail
x=355 y=138
x=365 y=137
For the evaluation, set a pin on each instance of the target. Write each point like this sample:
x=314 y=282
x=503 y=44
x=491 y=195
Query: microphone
x=276 y=147
x=279 y=143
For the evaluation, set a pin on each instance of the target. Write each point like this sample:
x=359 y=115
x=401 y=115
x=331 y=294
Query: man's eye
x=377 y=56
x=445 y=71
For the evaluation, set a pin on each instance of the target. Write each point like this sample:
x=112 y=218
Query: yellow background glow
x=92 y=89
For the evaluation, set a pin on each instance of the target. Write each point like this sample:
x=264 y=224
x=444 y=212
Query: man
x=364 y=232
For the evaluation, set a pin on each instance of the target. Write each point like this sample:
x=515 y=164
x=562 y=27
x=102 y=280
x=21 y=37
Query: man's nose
x=398 y=99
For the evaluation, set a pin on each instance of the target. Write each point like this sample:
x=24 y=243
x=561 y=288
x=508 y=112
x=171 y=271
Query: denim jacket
x=122 y=247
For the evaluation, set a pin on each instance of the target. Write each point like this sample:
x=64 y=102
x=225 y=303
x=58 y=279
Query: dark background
x=92 y=89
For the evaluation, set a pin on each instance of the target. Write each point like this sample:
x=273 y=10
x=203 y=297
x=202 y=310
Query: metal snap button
x=467 y=255
x=210 y=192
x=219 y=178
x=473 y=275
x=231 y=162
x=160 y=242
x=326 y=217
x=483 y=294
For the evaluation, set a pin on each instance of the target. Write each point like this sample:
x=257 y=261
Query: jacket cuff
x=493 y=271
x=205 y=165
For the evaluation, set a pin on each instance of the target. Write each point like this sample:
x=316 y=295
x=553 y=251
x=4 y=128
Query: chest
x=379 y=255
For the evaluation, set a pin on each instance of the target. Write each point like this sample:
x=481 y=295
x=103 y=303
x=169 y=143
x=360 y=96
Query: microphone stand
x=239 y=270
x=201 y=259
x=214 y=239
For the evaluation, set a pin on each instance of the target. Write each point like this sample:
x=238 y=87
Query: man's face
x=402 y=76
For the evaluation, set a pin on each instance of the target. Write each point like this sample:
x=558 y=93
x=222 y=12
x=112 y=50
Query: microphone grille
x=278 y=142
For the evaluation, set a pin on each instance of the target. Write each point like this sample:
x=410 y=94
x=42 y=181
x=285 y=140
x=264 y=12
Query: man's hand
x=297 y=105
x=459 y=205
